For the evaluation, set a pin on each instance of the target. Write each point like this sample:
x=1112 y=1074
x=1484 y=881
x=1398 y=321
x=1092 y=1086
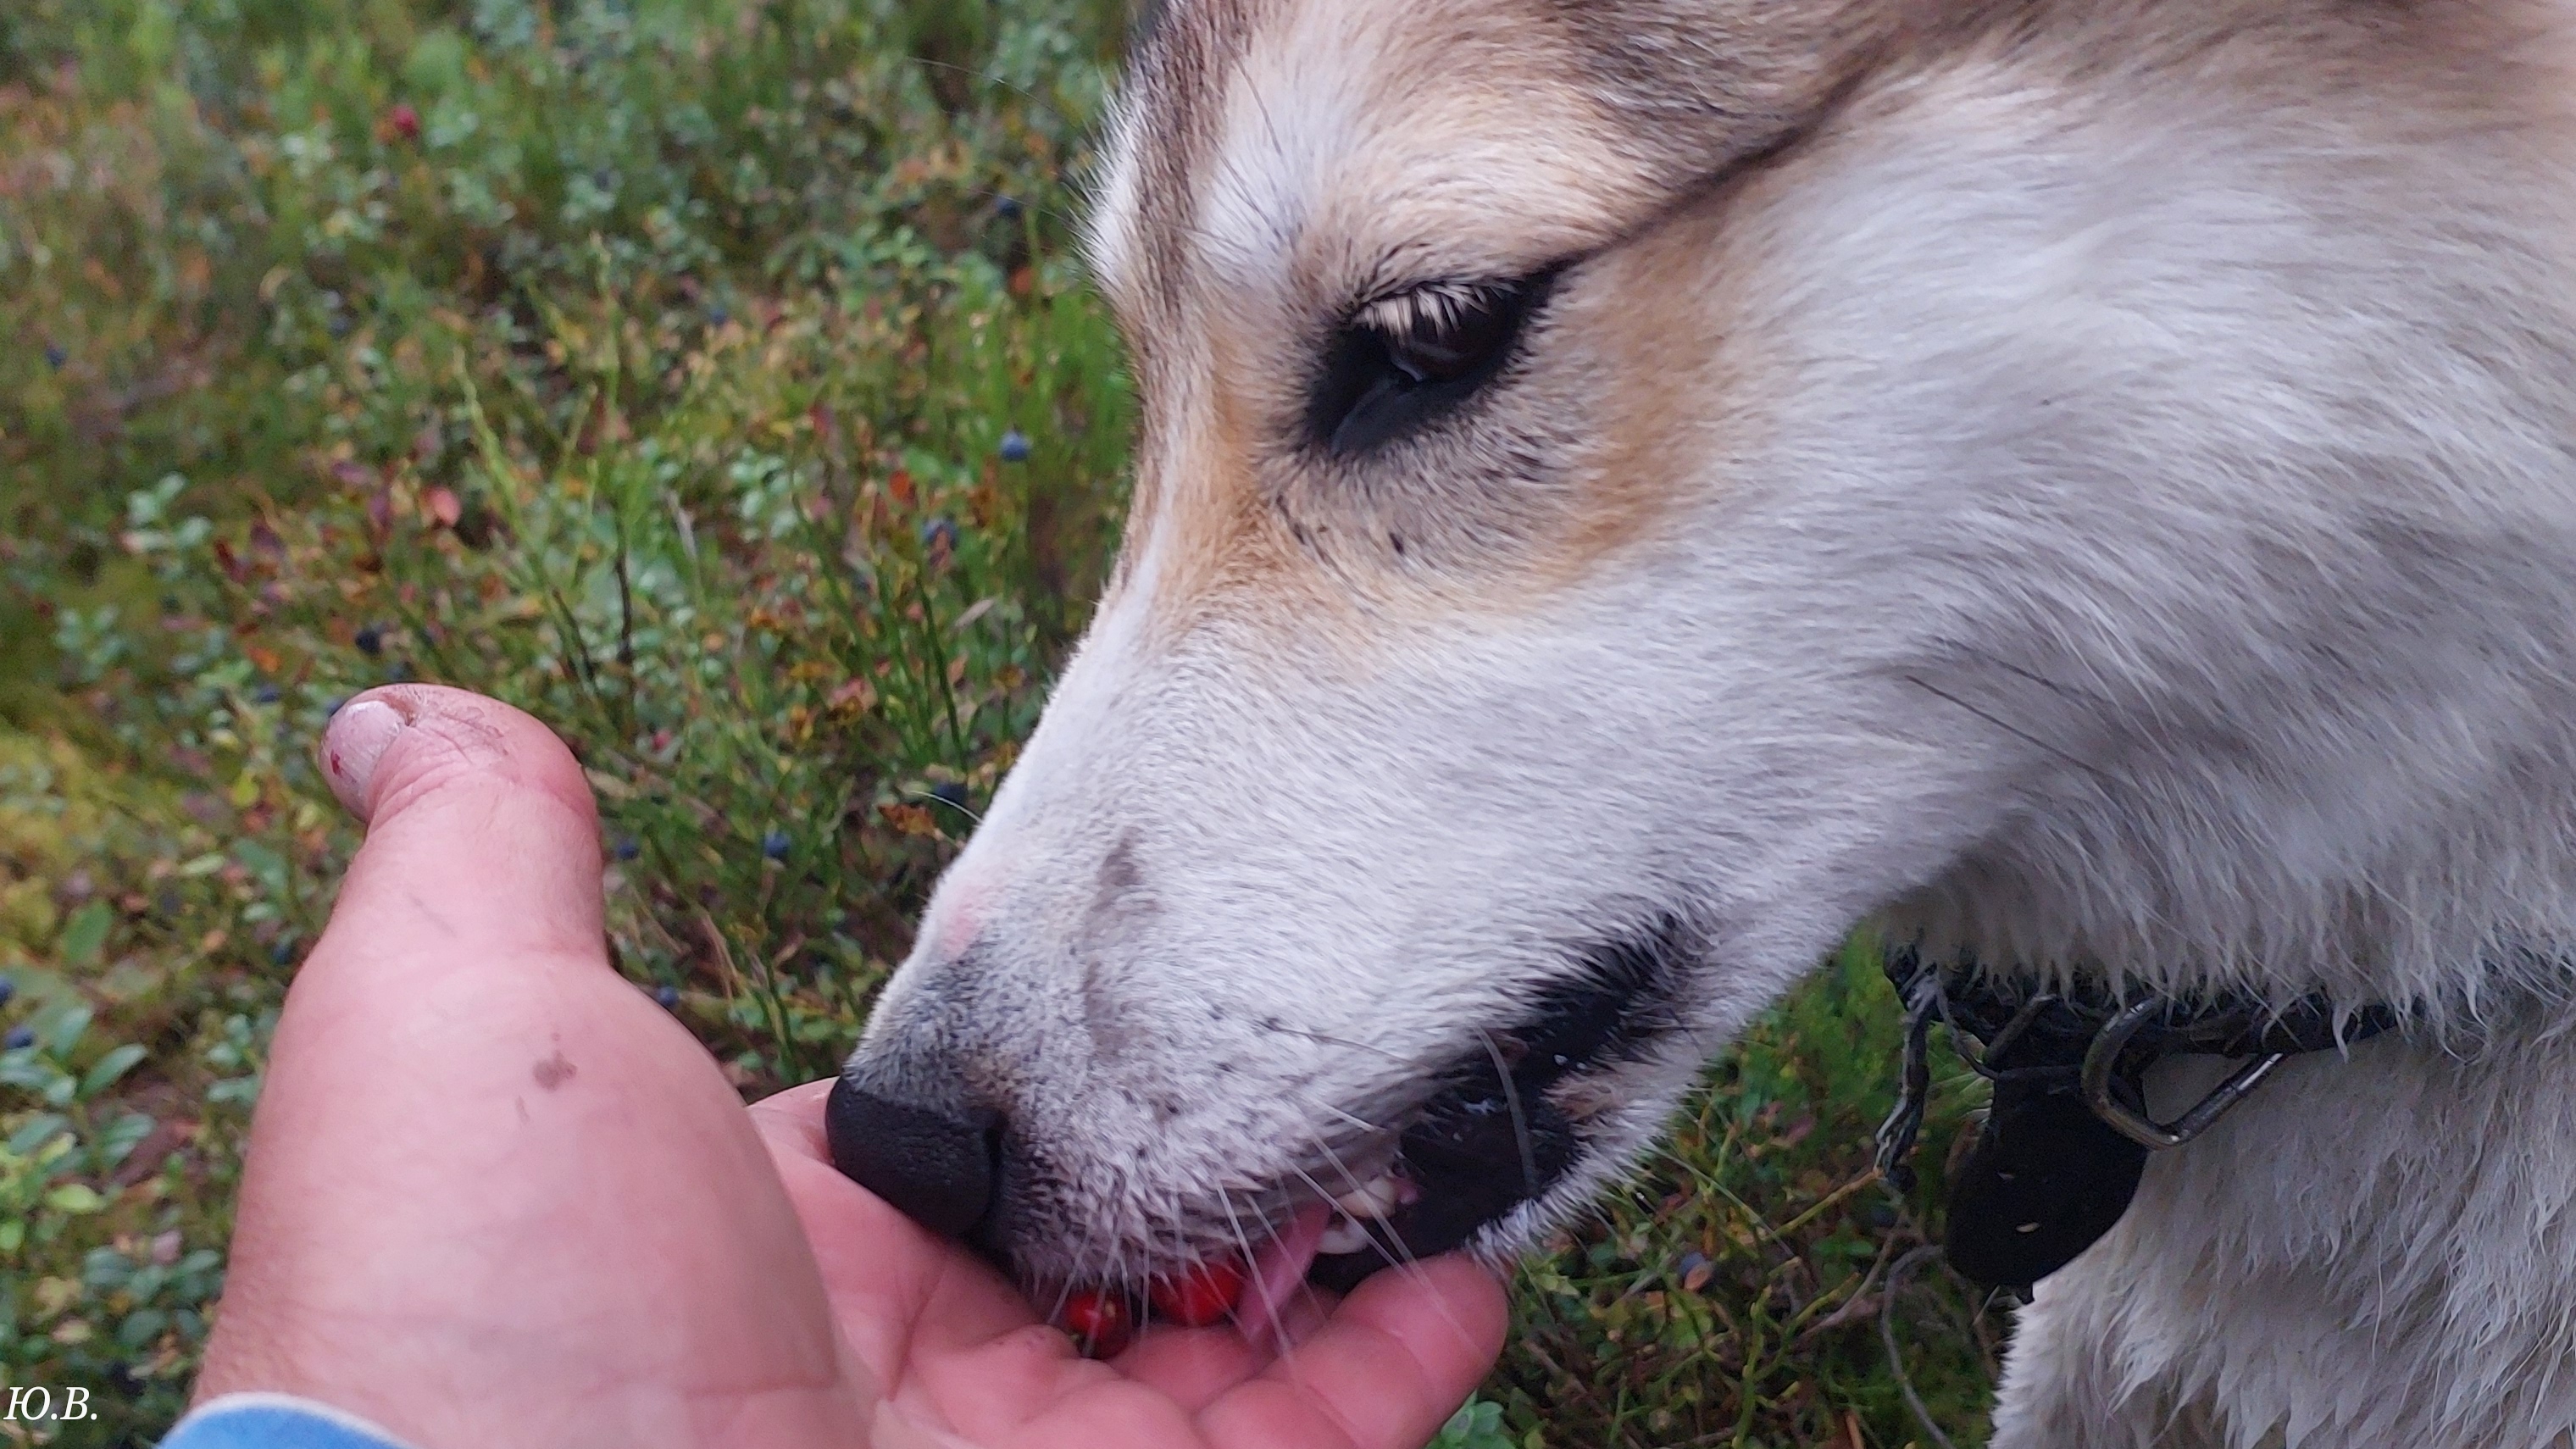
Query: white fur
x=2127 y=525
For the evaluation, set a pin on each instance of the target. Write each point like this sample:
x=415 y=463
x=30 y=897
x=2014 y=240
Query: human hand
x=497 y=1197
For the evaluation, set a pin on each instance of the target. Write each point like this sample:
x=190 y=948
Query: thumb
x=482 y=841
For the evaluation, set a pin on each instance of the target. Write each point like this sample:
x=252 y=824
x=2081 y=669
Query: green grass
x=648 y=364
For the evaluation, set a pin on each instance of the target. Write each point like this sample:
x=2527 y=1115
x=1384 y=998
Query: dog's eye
x=1403 y=360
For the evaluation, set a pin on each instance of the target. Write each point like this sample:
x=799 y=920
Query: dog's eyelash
x=1426 y=308
x=1401 y=361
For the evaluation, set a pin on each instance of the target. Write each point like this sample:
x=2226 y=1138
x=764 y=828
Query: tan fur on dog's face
x=2086 y=482
x=1264 y=186
x=1233 y=246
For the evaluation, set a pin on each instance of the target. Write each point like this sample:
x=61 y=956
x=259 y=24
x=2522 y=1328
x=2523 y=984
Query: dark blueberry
x=951 y=792
x=627 y=849
x=939 y=533
x=339 y=324
x=774 y=844
x=19 y=1036
x=717 y=315
x=282 y=954
x=369 y=640
x=265 y=694
x=55 y=357
x=8 y=988
x=1015 y=446
x=1008 y=208
x=669 y=996
x=333 y=707
x=1690 y=1263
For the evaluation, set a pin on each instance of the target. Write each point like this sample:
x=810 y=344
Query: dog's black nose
x=936 y=1165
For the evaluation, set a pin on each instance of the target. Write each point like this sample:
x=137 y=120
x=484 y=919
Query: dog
x=1628 y=490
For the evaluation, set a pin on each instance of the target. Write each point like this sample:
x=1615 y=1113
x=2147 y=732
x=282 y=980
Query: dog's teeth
x=1374 y=1198
x=1344 y=1236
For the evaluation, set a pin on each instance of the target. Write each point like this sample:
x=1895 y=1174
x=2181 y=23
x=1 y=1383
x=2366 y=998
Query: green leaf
x=104 y=1072
x=105 y=1270
x=37 y=1131
x=265 y=864
x=23 y=1069
x=75 y=1198
x=67 y=1030
x=85 y=934
x=1478 y=1424
x=141 y=1327
x=121 y=1138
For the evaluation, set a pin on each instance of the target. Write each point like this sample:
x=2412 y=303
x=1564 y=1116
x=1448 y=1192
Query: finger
x=1404 y=1351
x=482 y=841
x=918 y=1310
x=1193 y=1366
x=898 y=1289
x=792 y=1121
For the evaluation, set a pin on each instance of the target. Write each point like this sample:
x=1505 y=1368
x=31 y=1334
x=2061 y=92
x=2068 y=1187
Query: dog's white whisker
x=1363 y=1124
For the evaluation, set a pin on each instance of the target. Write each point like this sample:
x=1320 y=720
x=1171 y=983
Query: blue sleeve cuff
x=275 y=1421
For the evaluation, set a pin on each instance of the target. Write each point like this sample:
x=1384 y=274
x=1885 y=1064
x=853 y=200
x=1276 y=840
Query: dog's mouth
x=1502 y=1127
x=1467 y=1155
x=1500 y=1137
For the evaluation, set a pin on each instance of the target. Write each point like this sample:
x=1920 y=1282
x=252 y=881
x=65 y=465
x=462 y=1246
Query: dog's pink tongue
x=1279 y=1273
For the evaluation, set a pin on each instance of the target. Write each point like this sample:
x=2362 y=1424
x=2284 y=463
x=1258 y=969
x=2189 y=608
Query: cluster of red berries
x=1102 y=1321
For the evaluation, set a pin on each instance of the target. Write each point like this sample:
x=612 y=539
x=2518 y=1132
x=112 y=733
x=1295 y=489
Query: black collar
x=2067 y=1137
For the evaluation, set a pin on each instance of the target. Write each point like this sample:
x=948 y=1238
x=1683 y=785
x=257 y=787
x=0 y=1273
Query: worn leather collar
x=2062 y=1148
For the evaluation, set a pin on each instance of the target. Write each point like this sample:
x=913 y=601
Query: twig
x=1887 y=1336
x=1828 y=1201
x=1860 y=1305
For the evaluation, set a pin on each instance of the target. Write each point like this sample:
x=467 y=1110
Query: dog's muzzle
x=1499 y=1125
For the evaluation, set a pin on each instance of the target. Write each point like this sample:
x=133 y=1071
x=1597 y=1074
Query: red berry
x=1099 y=1322
x=403 y=121
x=1200 y=1296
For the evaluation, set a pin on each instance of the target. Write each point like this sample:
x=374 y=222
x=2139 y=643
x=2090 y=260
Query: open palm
x=495 y=1196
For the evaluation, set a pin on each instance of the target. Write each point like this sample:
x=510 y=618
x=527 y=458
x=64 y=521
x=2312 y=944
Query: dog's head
x=1627 y=490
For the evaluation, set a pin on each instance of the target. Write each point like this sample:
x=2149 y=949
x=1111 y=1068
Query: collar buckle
x=2102 y=1059
x=2058 y=1157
